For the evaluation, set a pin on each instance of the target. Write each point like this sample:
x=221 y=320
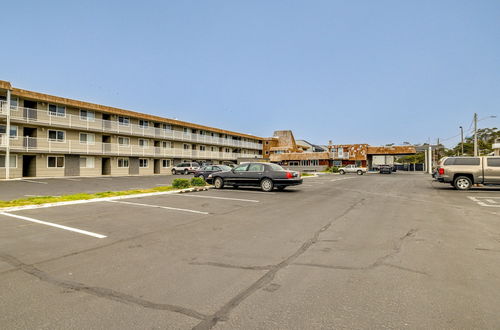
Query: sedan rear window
x=462 y=161
x=275 y=167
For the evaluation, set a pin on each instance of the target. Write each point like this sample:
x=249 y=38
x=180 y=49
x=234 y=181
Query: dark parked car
x=205 y=171
x=385 y=169
x=263 y=175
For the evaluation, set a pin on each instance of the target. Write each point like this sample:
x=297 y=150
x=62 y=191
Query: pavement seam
x=223 y=313
x=101 y=292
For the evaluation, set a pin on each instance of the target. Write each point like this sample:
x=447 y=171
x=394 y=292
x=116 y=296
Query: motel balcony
x=43 y=145
x=46 y=118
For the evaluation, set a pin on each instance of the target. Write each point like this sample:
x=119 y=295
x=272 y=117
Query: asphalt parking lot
x=31 y=187
x=371 y=251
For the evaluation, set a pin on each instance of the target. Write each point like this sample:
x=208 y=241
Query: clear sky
x=349 y=71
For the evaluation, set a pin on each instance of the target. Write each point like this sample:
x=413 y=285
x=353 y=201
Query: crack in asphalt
x=223 y=265
x=223 y=313
x=381 y=261
x=101 y=292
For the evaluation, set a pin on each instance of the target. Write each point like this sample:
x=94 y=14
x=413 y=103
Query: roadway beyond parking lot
x=373 y=251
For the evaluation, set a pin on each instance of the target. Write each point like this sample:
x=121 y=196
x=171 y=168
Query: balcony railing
x=32 y=144
x=43 y=117
x=3 y=140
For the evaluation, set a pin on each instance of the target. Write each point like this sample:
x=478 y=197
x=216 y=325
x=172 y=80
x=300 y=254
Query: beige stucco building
x=53 y=136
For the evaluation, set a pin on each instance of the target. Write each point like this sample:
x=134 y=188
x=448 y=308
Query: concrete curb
x=103 y=199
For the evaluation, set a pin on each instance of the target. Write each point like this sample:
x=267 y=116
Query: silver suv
x=463 y=172
x=185 y=168
x=352 y=169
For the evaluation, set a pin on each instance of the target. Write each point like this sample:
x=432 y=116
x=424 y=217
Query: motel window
x=228 y=150
x=202 y=148
x=123 y=162
x=13 y=130
x=87 y=115
x=87 y=162
x=57 y=136
x=167 y=127
x=123 y=141
x=143 y=162
x=314 y=162
x=165 y=144
x=87 y=138
x=186 y=130
x=124 y=121
x=13 y=161
x=143 y=123
x=166 y=163
x=55 y=161
x=143 y=143
x=186 y=146
x=56 y=110
x=211 y=148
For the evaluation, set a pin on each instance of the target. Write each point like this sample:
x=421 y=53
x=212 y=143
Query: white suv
x=185 y=168
x=352 y=169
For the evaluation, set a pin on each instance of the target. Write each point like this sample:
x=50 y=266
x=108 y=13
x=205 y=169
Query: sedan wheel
x=342 y=172
x=186 y=172
x=266 y=185
x=360 y=172
x=174 y=172
x=219 y=183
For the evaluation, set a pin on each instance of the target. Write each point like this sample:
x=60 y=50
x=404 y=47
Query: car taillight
x=441 y=171
x=289 y=175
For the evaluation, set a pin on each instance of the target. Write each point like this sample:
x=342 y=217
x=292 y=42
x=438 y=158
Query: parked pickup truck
x=463 y=172
x=352 y=169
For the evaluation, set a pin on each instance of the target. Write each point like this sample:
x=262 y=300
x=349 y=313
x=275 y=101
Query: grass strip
x=76 y=197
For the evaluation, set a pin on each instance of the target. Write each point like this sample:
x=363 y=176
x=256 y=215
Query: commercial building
x=283 y=149
x=53 y=136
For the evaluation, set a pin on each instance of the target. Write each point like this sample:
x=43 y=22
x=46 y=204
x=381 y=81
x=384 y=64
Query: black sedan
x=263 y=175
x=385 y=169
x=205 y=171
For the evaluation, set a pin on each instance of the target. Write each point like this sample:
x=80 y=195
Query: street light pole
x=475 y=135
x=462 y=138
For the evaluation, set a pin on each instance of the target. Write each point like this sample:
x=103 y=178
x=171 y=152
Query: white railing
x=495 y=145
x=38 y=116
x=31 y=144
x=3 y=140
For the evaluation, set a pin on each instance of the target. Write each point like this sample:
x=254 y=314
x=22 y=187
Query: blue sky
x=348 y=71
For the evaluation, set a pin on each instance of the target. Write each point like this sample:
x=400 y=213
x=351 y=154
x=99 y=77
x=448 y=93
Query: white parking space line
x=83 y=232
x=69 y=179
x=215 y=197
x=33 y=181
x=161 y=207
x=245 y=191
x=341 y=179
x=485 y=201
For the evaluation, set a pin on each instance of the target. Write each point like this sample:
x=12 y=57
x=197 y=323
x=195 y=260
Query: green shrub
x=334 y=169
x=198 y=182
x=181 y=183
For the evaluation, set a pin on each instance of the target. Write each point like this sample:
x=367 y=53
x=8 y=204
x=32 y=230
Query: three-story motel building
x=49 y=136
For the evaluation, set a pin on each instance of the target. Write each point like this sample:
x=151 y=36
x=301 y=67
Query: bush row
x=186 y=183
x=333 y=169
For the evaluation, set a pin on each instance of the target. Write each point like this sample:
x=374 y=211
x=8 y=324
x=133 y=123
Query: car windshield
x=275 y=167
x=224 y=168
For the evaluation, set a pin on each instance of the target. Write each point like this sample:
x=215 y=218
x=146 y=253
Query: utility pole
x=462 y=138
x=429 y=158
x=437 y=151
x=475 y=136
x=7 y=149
